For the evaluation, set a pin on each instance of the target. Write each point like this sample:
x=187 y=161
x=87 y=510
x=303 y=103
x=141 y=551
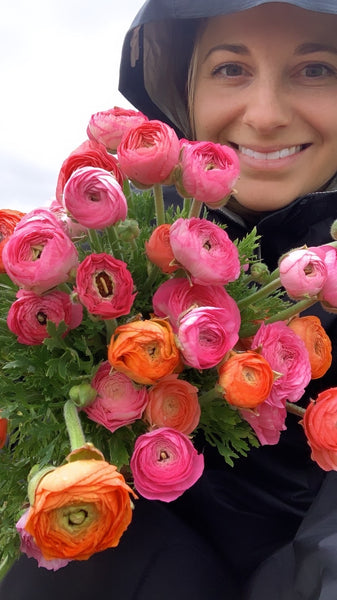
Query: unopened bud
x=260 y=272
x=82 y=395
x=333 y=230
x=128 y=230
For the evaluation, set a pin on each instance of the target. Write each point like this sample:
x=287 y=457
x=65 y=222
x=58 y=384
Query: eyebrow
x=309 y=47
x=305 y=48
x=235 y=48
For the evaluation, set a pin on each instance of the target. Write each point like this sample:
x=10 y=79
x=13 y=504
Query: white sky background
x=59 y=64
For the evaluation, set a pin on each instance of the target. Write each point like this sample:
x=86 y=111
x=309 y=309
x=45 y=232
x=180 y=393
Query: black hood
x=158 y=47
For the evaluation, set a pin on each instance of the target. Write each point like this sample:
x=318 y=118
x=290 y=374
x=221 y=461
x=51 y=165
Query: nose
x=267 y=106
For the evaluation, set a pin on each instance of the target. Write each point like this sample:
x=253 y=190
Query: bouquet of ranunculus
x=130 y=328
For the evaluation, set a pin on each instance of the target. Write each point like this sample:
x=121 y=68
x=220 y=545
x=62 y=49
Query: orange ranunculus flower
x=144 y=350
x=79 y=509
x=8 y=220
x=246 y=379
x=320 y=427
x=158 y=249
x=316 y=341
x=3 y=431
x=173 y=402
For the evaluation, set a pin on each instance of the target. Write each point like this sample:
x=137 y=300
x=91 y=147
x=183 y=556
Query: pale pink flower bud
x=207 y=172
x=302 y=273
x=105 y=286
x=206 y=334
x=267 y=420
x=109 y=126
x=148 y=153
x=328 y=294
x=94 y=198
x=288 y=356
x=119 y=400
x=29 y=547
x=28 y=316
x=39 y=254
x=177 y=295
x=205 y=251
x=164 y=464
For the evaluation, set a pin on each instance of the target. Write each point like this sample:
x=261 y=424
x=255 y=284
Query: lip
x=269 y=157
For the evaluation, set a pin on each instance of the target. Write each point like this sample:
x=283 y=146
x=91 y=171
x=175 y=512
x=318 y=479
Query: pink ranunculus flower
x=40 y=255
x=165 y=464
x=29 y=314
x=207 y=333
x=177 y=295
x=328 y=294
x=205 y=251
x=149 y=153
x=320 y=427
x=302 y=273
x=108 y=127
x=94 y=198
x=267 y=420
x=105 y=286
x=29 y=547
x=119 y=400
x=288 y=356
x=207 y=172
x=88 y=154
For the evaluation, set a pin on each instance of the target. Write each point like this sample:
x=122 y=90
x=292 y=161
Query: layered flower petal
x=108 y=127
x=148 y=153
x=207 y=172
x=119 y=401
x=320 y=427
x=94 y=198
x=164 y=464
x=8 y=221
x=28 y=316
x=246 y=379
x=80 y=508
x=105 y=286
x=173 y=402
x=302 y=273
x=205 y=251
x=144 y=350
x=317 y=343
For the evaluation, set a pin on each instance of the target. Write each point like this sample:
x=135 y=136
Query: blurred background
x=59 y=64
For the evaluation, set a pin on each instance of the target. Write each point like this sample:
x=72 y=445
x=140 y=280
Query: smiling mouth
x=273 y=155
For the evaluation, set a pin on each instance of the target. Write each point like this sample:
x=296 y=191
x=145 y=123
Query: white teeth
x=270 y=155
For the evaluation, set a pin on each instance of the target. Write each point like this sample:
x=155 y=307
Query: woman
x=262 y=77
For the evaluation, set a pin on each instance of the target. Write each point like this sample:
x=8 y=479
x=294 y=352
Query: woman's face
x=266 y=84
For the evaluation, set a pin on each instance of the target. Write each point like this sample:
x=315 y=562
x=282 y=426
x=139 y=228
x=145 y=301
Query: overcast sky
x=59 y=64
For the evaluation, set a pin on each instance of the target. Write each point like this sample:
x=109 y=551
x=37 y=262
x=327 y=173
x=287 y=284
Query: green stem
x=262 y=292
x=114 y=242
x=212 y=394
x=5 y=565
x=95 y=241
x=295 y=410
x=159 y=203
x=110 y=326
x=291 y=311
x=129 y=196
x=195 y=208
x=73 y=424
x=187 y=205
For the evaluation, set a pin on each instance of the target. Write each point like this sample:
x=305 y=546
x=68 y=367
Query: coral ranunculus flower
x=158 y=249
x=320 y=427
x=246 y=379
x=144 y=350
x=80 y=508
x=8 y=221
x=173 y=402
x=316 y=341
